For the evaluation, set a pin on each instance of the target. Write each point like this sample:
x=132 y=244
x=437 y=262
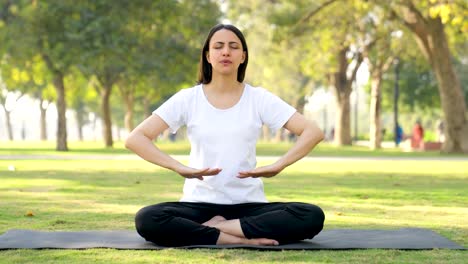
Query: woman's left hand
x=265 y=171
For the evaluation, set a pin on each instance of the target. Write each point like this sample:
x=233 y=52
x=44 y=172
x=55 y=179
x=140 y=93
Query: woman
x=223 y=200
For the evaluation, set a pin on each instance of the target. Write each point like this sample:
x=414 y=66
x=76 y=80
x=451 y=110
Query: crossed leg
x=179 y=224
x=231 y=233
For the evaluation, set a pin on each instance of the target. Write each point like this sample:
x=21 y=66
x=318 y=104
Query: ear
x=208 y=57
x=243 y=56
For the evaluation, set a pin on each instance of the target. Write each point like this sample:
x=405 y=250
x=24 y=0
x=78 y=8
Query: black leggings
x=180 y=223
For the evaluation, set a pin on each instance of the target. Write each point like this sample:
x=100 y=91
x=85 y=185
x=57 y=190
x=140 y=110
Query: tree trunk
x=375 y=129
x=43 y=121
x=279 y=135
x=300 y=104
x=451 y=94
x=266 y=133
x=431 y=38
x=106 y=114
x=94 y=128
x=343 y=120
x=342 y=85
x=61 y=110
x=8 y=124
x=80 y=120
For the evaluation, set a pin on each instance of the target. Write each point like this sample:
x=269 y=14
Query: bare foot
x=262 y=242
x=227 y=239
x=214 y=221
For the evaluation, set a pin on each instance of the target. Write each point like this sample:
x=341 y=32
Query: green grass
x=105 y=194
x=183 y=148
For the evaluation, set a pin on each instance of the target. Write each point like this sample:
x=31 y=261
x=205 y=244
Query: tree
x=269 y=65
x=384 y=46
x=333 y=46
x=6 y=97
x=103 y=54
x=29 y=77
x=127 y=41
x=427 y=20
x=49 y=33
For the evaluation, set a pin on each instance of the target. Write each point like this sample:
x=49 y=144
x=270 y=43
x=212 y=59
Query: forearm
x=308 y=139
x=144 y=147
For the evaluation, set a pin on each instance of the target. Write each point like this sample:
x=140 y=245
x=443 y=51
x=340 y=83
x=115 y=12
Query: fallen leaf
x=29 y=214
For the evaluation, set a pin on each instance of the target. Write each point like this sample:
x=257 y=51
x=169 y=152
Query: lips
x=225 y=62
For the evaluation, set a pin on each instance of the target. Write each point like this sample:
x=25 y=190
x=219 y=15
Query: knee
x=316 y=214
x=148 y=221
x=312 y=217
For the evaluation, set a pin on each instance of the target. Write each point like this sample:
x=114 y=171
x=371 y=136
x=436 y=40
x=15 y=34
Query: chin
x=227 y=72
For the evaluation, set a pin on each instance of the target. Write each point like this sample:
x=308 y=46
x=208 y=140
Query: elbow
x=129 y=141
x=316 y=133
x=319 y=136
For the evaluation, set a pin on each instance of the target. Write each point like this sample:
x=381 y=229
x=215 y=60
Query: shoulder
x=189 y=91
x=257 y=92
x=186 y=93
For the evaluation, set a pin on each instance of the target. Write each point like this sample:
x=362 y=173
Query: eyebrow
x=231 y=42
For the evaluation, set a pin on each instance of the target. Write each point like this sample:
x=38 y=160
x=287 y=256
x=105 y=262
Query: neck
x=224 y=83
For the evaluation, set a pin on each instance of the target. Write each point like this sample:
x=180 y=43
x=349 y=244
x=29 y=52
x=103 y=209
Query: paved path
x=183 y=157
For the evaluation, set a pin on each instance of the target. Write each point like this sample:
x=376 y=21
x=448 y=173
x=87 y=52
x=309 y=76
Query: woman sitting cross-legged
x=223 y=200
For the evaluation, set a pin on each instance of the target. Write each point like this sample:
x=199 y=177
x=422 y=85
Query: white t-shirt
x=224 y=138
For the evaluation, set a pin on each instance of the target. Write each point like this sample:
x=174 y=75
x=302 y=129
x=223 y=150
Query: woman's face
x=225 y=52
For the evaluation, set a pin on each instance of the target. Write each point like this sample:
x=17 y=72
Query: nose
x=226 y=51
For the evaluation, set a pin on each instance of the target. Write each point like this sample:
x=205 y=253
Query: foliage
x=417 y=88
x=272 y=64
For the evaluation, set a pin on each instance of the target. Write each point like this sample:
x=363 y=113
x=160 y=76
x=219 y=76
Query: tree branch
x=414 y=20
x=358 y=64
x=388 y=63
x=314 y=12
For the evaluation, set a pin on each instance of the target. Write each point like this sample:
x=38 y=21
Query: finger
x=253 y=173
x=200 y=172
x=213 y=172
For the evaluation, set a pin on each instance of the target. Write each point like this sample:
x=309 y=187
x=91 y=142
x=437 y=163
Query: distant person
x=291 y=137
x=223 y=200
x=399 y=135
x=332 y=134
x=417 y=140
x=172 y=137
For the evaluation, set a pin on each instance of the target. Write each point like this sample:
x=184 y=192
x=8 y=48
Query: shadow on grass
x=80 y=200
x=129 y=187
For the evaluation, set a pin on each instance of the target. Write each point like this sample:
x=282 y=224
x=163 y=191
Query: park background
x=358 y=68
x=77 y=76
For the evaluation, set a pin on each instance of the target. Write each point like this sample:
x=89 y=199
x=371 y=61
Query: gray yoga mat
x=407 y=238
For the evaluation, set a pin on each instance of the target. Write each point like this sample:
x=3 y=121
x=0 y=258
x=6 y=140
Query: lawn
x=74 y=194
x=183 y=148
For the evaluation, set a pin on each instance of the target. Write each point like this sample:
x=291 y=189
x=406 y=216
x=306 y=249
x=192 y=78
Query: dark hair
x=204 y=68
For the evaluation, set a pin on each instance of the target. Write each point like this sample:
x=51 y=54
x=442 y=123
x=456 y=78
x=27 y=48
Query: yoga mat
x=407 y=238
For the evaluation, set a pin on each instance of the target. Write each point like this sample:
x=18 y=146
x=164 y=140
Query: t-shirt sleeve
x=274 y=112
x=174 y=111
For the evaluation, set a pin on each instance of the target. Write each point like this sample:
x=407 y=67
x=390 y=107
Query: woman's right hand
x=190 y=173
